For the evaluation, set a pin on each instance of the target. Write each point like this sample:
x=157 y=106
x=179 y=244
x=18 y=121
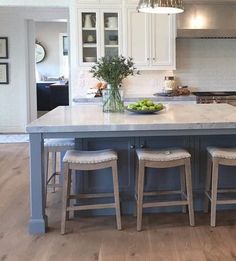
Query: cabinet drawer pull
x=142 y=146
x=132 y=146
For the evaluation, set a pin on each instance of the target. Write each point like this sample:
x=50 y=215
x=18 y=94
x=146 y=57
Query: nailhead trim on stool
x=89 y=160
x=166 y=158
x=224 y=153
x=89 y=157
x=217 y=157
x=162 y=155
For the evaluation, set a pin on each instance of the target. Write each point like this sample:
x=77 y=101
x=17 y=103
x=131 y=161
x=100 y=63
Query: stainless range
x=216 y=97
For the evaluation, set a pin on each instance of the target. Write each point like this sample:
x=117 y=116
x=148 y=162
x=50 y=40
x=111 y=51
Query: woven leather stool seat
x=89 y=157
x=218 y=156
x=162 y=155
x=225 y=153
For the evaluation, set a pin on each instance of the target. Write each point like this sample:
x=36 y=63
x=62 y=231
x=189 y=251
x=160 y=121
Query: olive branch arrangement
x=113 y=70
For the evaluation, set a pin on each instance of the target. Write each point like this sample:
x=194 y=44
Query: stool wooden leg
x=136 y=188
x=183 y=186
x=65 y=198
x=116 y=194
x=46 y=157
x=69 y=193
x=141 y=174
x=189 y=191
x=215 y=170
x=208 y=184
x=54 y=169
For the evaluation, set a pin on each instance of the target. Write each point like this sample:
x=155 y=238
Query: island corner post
x=126 y=132
x=38 y=218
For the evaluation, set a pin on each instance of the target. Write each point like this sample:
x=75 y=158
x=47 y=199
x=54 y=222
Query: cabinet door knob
x=154 y=59
x=148 y=59
x=142 y=146
x=132 y=146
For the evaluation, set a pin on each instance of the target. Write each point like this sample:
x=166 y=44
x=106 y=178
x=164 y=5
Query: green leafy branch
x=114 y=69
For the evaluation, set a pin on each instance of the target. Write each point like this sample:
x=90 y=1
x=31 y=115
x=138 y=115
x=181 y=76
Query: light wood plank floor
x=165 y=237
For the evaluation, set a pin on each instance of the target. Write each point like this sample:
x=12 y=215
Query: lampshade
x=161 y=6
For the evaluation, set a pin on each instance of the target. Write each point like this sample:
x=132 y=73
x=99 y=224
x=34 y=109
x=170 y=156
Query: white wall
x=15 y=107
x=13 y=96
x=47 y=33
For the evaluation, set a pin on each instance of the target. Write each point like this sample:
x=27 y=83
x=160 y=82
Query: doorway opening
x=51 y=64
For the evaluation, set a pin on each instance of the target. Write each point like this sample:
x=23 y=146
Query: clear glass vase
x=113 y=99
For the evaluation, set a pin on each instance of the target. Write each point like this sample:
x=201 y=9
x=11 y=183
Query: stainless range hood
x=217 y=21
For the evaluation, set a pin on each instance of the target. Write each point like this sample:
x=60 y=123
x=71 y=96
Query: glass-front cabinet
x=111 y=34
x=89 y=38
x=100 y=32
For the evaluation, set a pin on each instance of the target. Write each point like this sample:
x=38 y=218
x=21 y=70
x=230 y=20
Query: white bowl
x=90 y=59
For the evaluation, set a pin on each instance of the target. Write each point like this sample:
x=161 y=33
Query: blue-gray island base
x=190 y=126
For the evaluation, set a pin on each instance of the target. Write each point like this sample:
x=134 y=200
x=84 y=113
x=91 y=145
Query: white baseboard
x=12 y=129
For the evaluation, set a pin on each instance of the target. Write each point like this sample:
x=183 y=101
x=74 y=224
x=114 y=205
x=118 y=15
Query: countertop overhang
x=90 y=119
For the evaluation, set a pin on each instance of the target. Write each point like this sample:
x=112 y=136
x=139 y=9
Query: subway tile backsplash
x=207 y=64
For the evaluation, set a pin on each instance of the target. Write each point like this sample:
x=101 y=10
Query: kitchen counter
x=135 y=98
x=191 y=126
x=90 y=118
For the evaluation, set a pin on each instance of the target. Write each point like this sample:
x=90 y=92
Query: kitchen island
x=187 y=125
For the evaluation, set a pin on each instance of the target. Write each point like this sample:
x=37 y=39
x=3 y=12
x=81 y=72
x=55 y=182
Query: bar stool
x=167 y=158
x=216 y=157
x=54 y=146
x=89 y=160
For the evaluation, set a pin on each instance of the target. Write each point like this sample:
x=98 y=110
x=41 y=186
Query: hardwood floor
x=165 y=237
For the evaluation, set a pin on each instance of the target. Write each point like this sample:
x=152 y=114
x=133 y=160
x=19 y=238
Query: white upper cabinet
x=138 y=38
x=163 y=41
x=108 y=28
x=151 y=40
x=99 y=34
x=111 y=42
x=89 y=36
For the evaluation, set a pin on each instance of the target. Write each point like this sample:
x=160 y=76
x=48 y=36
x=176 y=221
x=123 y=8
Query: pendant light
x=161 y=6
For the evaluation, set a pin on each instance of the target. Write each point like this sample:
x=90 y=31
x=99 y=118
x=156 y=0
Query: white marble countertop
x=90 y=118
x=136 y=98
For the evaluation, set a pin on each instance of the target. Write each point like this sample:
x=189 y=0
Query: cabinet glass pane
x=111 y=34
x=113 y=51
x=89 y=36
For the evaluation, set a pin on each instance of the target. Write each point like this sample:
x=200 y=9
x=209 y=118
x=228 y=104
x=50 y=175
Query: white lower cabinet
x=151 y=40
